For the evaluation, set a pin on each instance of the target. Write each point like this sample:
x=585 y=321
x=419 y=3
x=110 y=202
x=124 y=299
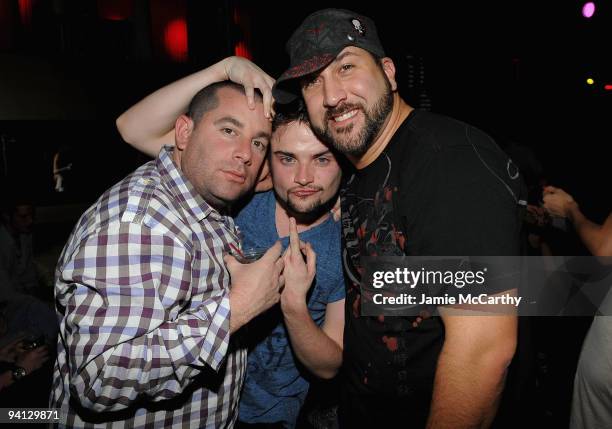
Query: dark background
x=517 y=69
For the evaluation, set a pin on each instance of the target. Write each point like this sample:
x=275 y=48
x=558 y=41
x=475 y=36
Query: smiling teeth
x=346 y=116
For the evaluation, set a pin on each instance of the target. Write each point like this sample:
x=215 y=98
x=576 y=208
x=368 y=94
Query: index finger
x=294 y=239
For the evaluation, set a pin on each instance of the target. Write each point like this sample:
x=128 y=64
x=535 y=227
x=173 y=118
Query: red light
x=175 y=39
x=241 y=50
x=608 y=87
x=115 y=10
x=25 y=11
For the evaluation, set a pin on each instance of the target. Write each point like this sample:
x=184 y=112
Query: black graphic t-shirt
x=439 y=188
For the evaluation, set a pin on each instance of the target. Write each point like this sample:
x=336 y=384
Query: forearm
x=470 y=374
x=159 y=362
x=151 y=119
x=241 y=310
x=466 y=393
x=312 y=346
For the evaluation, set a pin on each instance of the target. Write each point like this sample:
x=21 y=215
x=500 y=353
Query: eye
x=310 y=82
x=346 y=67
x=261 y=146
x=228 y=131
x=323 y=160
x=286 y=160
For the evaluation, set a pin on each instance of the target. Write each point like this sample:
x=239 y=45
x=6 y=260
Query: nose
x=333 y=92
x=243 y=151
x=304 y=175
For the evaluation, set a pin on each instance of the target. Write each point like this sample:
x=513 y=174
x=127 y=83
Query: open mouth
x=345 y=116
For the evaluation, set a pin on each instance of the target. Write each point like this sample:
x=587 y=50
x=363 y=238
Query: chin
x=305 y=207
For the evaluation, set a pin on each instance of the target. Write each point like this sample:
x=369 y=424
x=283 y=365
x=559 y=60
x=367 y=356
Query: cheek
x=277 y=169
x=314 y=107
x=330 y=178
x=282 y=177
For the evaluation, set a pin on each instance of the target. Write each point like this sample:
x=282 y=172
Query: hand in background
x=31 y=360
x=557 y=202
x=10 y=351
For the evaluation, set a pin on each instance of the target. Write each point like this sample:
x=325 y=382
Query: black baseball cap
x=318 y=41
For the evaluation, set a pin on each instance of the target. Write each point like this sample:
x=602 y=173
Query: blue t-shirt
x=274 y=388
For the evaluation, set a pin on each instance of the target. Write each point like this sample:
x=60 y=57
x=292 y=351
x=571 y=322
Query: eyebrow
x=231 y=120
x=313 y=75
x=292 y=155
x=320 y=154
x=283 y=153
x=343 y=55
x=263 y=134
x=240 y=125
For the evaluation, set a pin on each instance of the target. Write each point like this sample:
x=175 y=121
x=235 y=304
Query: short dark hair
x=288 y=113
x=206 y=99
x=378 y=60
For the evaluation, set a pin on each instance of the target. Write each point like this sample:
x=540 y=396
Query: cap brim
x=285 y=89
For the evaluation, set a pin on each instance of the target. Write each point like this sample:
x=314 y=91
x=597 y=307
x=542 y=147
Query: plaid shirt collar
x=182 y=190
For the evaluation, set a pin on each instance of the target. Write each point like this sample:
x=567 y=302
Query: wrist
x=240 y=311
x=224 y=69
x=293 y=304
x=572 y=210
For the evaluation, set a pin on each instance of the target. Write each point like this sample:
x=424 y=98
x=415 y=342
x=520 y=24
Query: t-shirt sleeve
x=338 y=291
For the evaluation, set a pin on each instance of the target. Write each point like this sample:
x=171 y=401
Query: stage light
x=608 y=87
x=588 y=10
x=115 y=10
x=590 y=81
x=175 y=39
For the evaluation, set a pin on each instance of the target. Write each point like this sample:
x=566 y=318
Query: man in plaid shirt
x=142 y=291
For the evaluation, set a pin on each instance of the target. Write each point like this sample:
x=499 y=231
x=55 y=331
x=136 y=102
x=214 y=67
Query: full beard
x=356 y=146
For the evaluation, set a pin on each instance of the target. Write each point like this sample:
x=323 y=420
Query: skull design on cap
x=358 y=26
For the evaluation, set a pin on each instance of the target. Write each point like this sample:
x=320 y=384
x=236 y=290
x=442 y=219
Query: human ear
x=183 y=128
x=389 y=69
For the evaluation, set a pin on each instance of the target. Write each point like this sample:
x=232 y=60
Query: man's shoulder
x=139 y=198
x=432 y=145
x=437 y=133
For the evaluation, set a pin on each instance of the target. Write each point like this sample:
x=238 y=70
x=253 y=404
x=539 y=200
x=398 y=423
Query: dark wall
x=514 y=68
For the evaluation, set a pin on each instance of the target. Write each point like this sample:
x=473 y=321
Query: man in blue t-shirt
x=304 y=334
x=308 y=324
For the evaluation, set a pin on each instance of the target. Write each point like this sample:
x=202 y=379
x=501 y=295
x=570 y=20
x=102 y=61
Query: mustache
x=340 y=110
x=304 y=188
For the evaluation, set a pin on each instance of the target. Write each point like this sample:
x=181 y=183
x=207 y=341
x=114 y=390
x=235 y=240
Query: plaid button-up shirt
x=142 y=294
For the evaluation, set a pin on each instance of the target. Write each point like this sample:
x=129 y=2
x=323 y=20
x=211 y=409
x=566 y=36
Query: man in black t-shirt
x=424 y=185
